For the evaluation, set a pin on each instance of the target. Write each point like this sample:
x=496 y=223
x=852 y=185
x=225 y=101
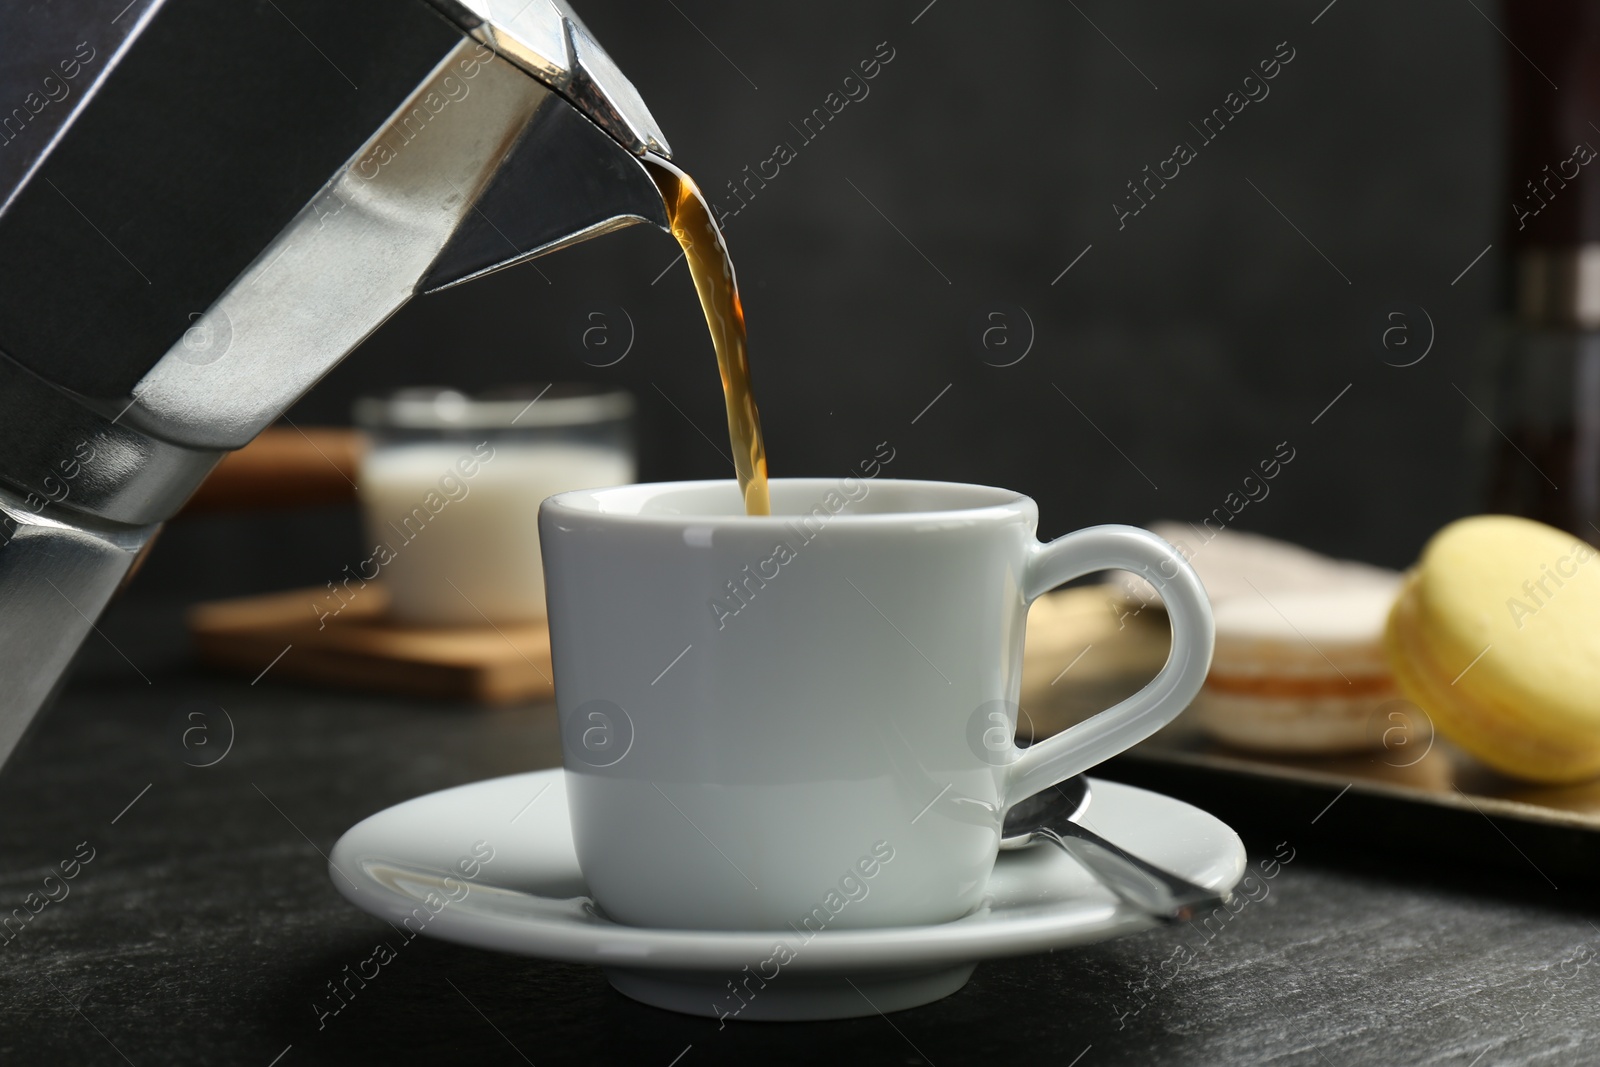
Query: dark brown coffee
x=712 y=270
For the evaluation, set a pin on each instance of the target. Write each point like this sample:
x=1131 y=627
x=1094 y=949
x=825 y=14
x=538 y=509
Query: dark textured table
x=200 y=926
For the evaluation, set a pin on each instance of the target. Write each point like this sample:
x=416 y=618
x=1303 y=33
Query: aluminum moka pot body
x=204 y=206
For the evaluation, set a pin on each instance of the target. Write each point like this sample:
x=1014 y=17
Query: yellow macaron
x=1496 y=635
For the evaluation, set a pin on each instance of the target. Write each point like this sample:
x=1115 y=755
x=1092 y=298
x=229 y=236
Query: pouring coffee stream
x=707 y=255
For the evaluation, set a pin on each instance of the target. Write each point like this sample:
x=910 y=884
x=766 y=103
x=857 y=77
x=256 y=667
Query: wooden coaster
x=359 y=649
x=1086 y=649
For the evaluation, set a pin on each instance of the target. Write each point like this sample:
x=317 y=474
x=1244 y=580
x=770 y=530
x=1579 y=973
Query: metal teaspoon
x=1052 y=816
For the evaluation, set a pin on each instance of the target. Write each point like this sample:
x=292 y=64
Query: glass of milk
x=450 y=487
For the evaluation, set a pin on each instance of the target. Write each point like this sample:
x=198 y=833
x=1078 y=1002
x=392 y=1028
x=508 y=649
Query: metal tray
x=1414 y=795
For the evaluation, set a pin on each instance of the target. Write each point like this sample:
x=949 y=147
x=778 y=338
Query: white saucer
x=411 y=864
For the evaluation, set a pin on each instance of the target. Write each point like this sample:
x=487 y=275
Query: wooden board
x=360 y=649
x=510 y=663
x=284 y=467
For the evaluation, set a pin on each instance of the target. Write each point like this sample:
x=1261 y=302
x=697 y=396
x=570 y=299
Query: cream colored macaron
x=1303 y=672
x=1497 y=637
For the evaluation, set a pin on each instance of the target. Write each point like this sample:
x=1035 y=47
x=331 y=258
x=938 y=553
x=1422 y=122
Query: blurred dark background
x=1177 y=352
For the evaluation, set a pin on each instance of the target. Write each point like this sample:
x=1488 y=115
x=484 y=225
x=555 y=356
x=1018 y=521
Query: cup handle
x=1129 y=548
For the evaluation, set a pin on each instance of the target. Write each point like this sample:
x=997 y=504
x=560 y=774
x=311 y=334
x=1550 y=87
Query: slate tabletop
x=194 y=811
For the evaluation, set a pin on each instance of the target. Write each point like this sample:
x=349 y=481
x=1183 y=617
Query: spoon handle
x=1144 y=885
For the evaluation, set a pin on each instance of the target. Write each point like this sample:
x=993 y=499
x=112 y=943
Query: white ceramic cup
x=805 y=720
